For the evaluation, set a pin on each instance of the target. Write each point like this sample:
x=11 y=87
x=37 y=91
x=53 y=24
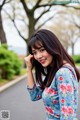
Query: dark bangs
x=35 y=42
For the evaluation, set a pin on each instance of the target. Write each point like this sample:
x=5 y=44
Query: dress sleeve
x=67 y=91
x=35 y=92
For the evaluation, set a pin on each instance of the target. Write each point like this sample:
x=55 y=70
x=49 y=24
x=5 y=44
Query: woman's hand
x=29 y=64
x=29 y=61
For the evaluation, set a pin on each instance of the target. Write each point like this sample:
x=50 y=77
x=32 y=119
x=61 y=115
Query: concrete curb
x=4 y=87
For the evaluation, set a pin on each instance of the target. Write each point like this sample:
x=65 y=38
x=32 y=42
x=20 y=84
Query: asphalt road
x=16 y=99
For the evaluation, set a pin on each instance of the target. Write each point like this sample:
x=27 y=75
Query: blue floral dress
x=61 y=97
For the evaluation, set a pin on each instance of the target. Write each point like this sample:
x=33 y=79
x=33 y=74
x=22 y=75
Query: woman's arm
x=35 y=91
x=30 y=78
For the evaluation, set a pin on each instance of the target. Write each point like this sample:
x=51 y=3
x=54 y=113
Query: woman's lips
x=42 y=61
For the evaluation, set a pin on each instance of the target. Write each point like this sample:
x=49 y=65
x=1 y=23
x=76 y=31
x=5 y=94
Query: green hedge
x=76 y=58
x=10 y=64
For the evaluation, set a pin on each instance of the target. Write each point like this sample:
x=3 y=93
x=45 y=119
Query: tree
x=30 y=8
x=68 y=32
x=74 y=26
x=61 y=31
x=2 y=32
x=73 y=33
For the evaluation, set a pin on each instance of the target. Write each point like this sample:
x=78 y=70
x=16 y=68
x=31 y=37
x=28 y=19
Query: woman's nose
x=39 y=55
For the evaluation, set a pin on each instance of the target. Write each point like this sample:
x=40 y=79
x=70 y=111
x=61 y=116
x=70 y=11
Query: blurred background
x=18 y=20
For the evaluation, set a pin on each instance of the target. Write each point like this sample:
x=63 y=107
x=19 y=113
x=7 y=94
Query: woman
x=59 y=88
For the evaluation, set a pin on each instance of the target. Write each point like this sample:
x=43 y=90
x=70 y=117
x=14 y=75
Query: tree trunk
x=2 y=33
x=31 y=29
x=31 y=25
x=72 y=48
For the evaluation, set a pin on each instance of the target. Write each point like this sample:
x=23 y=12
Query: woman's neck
x=65 y=62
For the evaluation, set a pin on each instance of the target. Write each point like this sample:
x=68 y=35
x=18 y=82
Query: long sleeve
x=35 y=92
x=67 y=90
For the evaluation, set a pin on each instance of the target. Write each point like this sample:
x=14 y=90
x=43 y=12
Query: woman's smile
x=42 y=61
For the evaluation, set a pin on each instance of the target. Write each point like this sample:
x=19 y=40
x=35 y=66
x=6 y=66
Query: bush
x=10 y=64
x=76 y=58
x=4 y=46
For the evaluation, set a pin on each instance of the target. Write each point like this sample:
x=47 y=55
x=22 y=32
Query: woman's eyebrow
x=38 y=48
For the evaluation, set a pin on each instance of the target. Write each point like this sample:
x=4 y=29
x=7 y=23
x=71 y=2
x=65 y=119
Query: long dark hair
x=53 y=46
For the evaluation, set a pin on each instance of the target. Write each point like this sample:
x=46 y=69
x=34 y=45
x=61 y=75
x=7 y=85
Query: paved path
x=16 y=99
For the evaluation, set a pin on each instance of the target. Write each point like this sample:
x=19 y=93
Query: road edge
x=4 y=87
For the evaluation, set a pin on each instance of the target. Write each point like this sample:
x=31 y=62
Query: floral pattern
x=61 y=97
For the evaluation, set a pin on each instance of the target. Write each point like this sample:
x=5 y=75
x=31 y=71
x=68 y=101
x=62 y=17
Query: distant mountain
x=18 y=50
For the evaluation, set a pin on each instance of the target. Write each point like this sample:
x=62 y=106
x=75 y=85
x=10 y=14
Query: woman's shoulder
x=65 y=69
x=66 y=74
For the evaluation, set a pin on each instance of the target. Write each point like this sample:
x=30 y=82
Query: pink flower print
x=49 y=110
x=38 y=96
x=74 y=101
x=61 y=78
x=63 y=88
x=58 y=116
x=69 y=88
x=55 y=101
x=50 y=91
x=70 y=110
x=62 y=101
x=65 y=110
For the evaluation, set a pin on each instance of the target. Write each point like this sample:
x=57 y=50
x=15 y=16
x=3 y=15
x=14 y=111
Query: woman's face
x=42 y=56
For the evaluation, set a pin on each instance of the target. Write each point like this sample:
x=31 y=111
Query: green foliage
x=76 y=58
x=10 y=64
x=4 y=46
x=61 y=2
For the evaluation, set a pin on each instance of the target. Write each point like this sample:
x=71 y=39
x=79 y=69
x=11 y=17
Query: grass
x=4 y=81
x=23 y=71
x=77 y=64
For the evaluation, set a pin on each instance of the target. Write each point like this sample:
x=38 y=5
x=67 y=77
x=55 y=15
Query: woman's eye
x=42 y=50
x=33 y=53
